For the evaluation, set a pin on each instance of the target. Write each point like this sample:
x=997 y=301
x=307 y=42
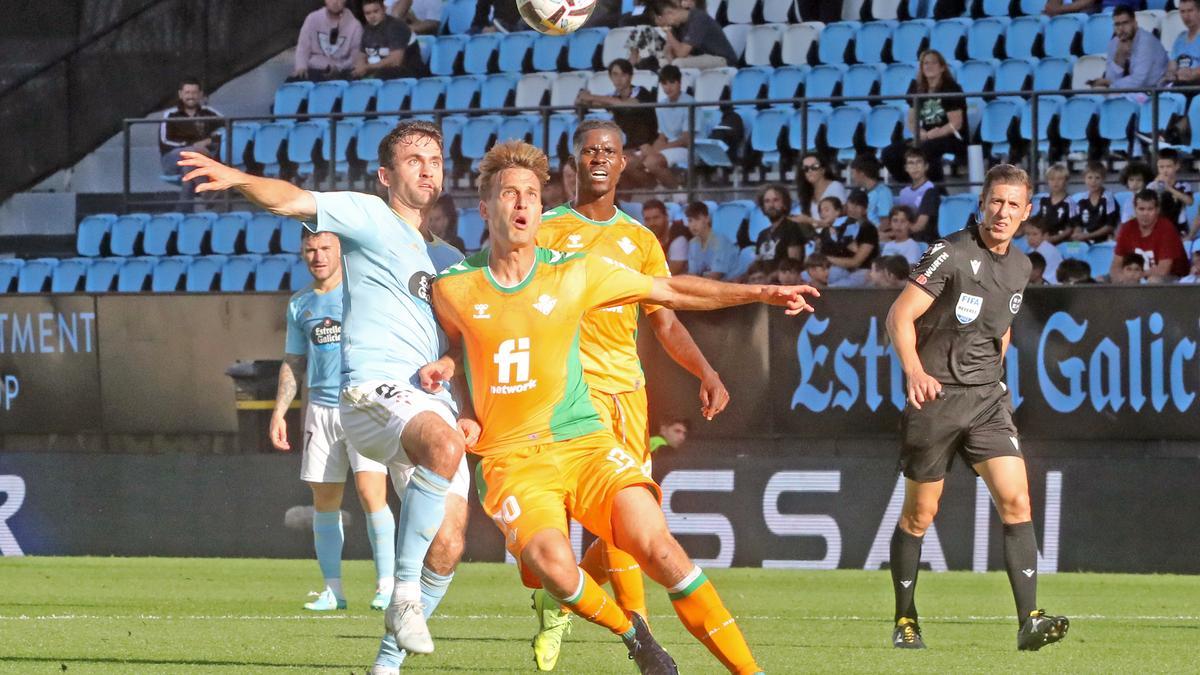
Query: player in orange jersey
x=514 y=310
x=608 y=347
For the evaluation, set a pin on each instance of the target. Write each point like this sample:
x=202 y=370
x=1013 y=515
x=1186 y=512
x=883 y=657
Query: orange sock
x=626 y=577
x=593 y=562
x=704 y=615
x=593 y=604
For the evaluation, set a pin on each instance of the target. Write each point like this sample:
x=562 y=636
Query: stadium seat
x=134 y=275
x=779 y=11
x=766 y=133
x=1032 y=7
x=514 y=51
x=261 y=230
x=169 y=273
x=359 y=94
x=748 y=84
x=235 y=273
x=861 y=80
x=369 y=137
x=271 y=271
x=1048 y=110
x=532 y=90
x=954 y=212
x=268 y=140
x=1073 y=250
x=10 y=269
x=873 y=41
x=457 y=16
x=1076 y=117
x=462 y=93
x=68 y=275
x=477 y=136
x=290 y=97
x=1118 y=121
x=299 y=277
x=1097 y=33
x=1023 y=37
x=193 y=234
x=227 y=230
x=325 y=96
x=514 y=128
x=547 y=51
x=897 y=78
x=478 y=54
x=302 y=141
x=824 y=82
x=712 y=83
x=910 y=39
x=446 y=53
x=947 y=37
x=762 y=43
x=738 y=35
x=393 y=95
x=126 y=233
x=91 y=238
x=883 y=123
x=740 y=11
x=1051 y=73
x=600 y=84
x=102 y=274
x=425 y=47
x=1087 y=68
x=289 y=235
x=497 y=89
x=729 y=216
x=996 y=7
x=347 y=131
x=1170 y=105
x=836 y=42
x=1013 y=75
x=566 y=88
x=159 y=233
x=798 y=44
x=842 y=128
x=746 y=257
x=976 y=76
x=756 y=222
x=813 y=124
x=614 y=45
x=471 y=228
x=785 y=84
x=584 y=49
x=1172 y=27
x=34 y=275
x=1100 y=256
x=985 y=38
x=202 y=273
x=998 y=117
x=920 y=9
x=1151 y=20
x=428 y=94
x=1063 y=34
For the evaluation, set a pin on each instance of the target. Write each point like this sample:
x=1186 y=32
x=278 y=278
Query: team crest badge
x=1014 y=303
x=968 y=308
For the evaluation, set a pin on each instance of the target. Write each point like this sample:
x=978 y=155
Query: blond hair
x=1058 y=170
x=511 y=155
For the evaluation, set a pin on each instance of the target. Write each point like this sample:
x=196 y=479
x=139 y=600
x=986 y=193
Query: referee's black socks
x=1020 y=560
x=905 y=563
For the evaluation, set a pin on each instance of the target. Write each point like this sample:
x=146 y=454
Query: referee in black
x=951 y=327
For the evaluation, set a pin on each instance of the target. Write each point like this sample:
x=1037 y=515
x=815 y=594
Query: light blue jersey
x=389 y=327
x=442 y=254
x=314 y=330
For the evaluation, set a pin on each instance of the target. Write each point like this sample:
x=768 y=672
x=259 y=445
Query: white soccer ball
x=555 y=17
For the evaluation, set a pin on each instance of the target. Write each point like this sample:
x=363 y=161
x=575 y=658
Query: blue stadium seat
x=68 y=275
x=227 y=229
x=1062 y=33
x=261 y=229
x=514 y=128
x=976 y=77
x=271 y=270
x=583 y=49
x=243 y=135
x=202 y=273
x=498 y=89
x=762 y=45
x=92 y=235
x=369 y=136
x=824 y=82
x=159 y=232
x=452 y=126
x=861 y=80
x=471 y=228
x=1097 y=33
x=1023 y=35
x=835 y=40
x=756 y=223
x=299 y=277
x=428 y=92
x=947 y=36
x=1052 y=73
x=954 y=211
x=1074 y=250
x=10 y=268
x=135 y=274
x=546 y=52
x=34 y=275
x=841 y=129
x=169 y=274
x=910 y=39
x=393 y=95
x=1033 y=6
x=235 y=273
x=462 y=92
x=347 y=132
x=897 y=78
x=765 y=134
x=984 y=36
x=1049 y=109
x=359 y=94
x=290 y=235
x=1169 y=105
x=446 y=52
x=1076 y=116
x=920 y=9
x=1014 y=75
x=1118 y=121
x=729 y=216
x=425 y=45
x=1100 y=257
x=290 y=97
x=268 y=140
x=748 y=84
x=514 y=50
x=477 y=136
x=477 y=55
x=785 y=83
x=302 y=141
x=325 y=96
x=883 y=122
x=193 y=233
x=746 y=257
x=996 y=7
x=998 y=117
x=798 y=124
x=872 y=40
x=102 y=274
x=126 y=232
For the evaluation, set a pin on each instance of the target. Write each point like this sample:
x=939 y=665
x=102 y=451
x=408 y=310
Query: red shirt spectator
x=1157 y=240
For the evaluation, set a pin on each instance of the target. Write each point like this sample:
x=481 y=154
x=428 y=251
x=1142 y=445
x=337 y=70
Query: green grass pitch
x=162 y=615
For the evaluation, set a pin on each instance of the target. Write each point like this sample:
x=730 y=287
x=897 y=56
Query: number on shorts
x=307 y=440
x=510 y=510
x=621 y=459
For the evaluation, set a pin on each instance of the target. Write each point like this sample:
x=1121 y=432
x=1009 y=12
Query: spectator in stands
x=1135 y=176
x=1193 y=276
x=1154 y=238
x=384 y=53
x=640 y=125
x=700 y=42
x=1038 y=240
x=424 y=17
x=900 y=222
x=888 y=271
x=1054 y=207
x=1037 y=268
x=553 y=192
x=329 y=40
x=497 y=15
x=710 y=254
x=673 y=237
x=570 y=179
x=760 y=272
x=790 y=272
x=1056 y=7
x=922 y=196
x=865 y=175
x=1133 y=269
x=670 y=148
x=1136 y=58
x=1183 y=69
x=1072 y=272
x=672 y=433
x=815 y=181
x=817 y=268
x=937 y=122
x=442 y=222
x=1096 y=211
x=854 y=244
x=181 y=132
x=824 y=11
x=783 y=238
x=1174 y=195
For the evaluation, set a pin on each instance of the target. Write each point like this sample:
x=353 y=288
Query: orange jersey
x=608 y=340
x=521 y=344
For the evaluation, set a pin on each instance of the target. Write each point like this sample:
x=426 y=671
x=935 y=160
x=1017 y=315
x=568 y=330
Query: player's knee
x=1015 y=508
x=551 y=559
x=918 y=519
x=445 y=453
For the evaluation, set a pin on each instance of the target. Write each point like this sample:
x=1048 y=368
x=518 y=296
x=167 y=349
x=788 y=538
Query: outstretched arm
x=277 y=196
x=679 y=345
x=689 y=292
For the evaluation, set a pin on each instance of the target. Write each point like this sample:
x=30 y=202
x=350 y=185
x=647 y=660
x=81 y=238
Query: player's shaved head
x=511 y=155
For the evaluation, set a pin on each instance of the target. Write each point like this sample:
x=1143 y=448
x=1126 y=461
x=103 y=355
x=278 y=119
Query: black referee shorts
x=974 y=422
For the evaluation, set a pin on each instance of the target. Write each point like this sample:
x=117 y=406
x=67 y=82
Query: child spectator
x=791 y=272
x=760 y=272
x=854 y=244
x=1055 y=207
x=1133 y=269
x=1174 y=195
x=817 y=268
x=1072 y=272
x=1096 y=211
x=1037 y=269
x=901 y=219
x=1135 y=177
x=1194 y=274
x=922 y=196
x=889 y=271
x=1039 y=242
x=710 y=254
x=864 y=173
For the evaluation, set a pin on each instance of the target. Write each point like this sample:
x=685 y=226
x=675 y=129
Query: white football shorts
x=327 y=454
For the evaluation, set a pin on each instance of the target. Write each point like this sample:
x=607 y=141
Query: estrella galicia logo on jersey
x=967 y=309
x=1014 y=303
x=326 y=334
x=419 y=283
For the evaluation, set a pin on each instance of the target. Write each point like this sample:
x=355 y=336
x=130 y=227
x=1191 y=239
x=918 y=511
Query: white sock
x=335 y=585
x=404 y=591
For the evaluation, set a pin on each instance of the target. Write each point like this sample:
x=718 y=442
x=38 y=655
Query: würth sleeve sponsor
x=934 y=268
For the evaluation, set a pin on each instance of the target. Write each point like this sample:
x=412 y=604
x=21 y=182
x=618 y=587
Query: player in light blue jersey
x=389 y=333
x=313 y=353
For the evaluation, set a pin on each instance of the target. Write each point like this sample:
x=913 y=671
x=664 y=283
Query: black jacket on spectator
x=179 y=130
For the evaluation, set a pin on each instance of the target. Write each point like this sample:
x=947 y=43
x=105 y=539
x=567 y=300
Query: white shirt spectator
x=1053 y=258
x=910 y=249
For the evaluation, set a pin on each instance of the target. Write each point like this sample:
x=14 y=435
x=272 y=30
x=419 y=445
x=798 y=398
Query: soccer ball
x=555 y=17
